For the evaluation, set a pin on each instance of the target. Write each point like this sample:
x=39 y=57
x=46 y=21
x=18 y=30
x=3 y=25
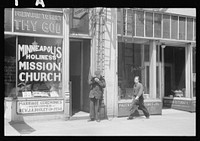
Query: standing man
x=138 y=100
x=97 y=84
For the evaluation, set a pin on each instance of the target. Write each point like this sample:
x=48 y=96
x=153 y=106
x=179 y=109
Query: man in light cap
x=97 y=83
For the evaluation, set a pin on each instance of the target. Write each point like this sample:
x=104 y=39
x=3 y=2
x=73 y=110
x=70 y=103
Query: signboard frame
x=39 y=100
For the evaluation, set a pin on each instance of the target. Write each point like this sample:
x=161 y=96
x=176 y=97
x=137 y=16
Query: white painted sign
x=26 y=94
x=39 y=106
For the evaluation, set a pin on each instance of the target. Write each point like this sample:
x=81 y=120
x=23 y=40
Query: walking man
x=97 y=84
x=138 y=100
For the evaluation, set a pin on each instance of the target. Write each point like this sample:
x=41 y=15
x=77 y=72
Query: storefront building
x=50 y=53
x=160 y=47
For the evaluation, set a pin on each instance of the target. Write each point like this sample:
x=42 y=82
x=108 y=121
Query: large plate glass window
x=132 y=61
x=39 y=67
x=10 y=65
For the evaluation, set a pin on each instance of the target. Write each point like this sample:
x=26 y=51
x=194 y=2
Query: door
x=79 y=72
x=75 y=74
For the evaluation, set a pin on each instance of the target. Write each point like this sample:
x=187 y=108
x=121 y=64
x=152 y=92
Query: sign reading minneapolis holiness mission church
x=39 y=59
x=38 y=21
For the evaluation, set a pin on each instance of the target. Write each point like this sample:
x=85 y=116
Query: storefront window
x=174 y=27
x=157 y=25
x=166 y=26
x=131 y=63
x=140 y=23
x=10 y=65
x=79 y=21
x=181 y=28
x=189 y=28
x=39 y=67
x=7 y=19
x=149 y=24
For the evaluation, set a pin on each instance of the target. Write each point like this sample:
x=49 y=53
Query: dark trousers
x=138 y=104
x=95 y=108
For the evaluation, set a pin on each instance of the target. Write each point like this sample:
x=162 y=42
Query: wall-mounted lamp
x=163 y=46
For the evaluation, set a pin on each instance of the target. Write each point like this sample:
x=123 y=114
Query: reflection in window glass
x=157 y=25
x=130 y=64
x=189 y=28
x=149 y=24
x=174 y=27
x=39 y=67
x=181 y=28
x=139 y=23
x=10 y=65
x=166 y=26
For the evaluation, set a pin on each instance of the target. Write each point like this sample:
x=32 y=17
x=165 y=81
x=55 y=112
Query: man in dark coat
x=97 y=84
x=138 y=100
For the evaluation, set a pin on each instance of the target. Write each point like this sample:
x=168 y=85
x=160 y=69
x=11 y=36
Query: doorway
x=79 y=71
x=174 y=70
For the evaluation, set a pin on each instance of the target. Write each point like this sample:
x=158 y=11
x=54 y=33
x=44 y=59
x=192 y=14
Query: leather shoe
x=129 y=118
x=98 y=120
x=148 y=117
x=90 y=120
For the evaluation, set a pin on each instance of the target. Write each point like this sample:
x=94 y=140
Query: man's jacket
x=138 y=90
x=96 y=88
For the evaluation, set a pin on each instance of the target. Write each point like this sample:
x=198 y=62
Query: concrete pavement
x=170 y=123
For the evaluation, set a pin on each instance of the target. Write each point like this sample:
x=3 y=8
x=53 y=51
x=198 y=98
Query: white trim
x=193 y=30
x=45 y=9
x=81 y=89
x=170 y=26
x=82 y=36
x=12 y=28
x=178 y=29
x=144 y=24
x=153 y=25
x=33 y=35
x=162 y=26
x=135 y=23
x=161 y=39
x=126 y=21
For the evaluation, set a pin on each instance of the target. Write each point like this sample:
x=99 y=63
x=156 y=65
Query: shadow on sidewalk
x=22 y=127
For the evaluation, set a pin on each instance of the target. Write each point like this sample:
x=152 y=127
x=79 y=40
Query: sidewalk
x=170 y=123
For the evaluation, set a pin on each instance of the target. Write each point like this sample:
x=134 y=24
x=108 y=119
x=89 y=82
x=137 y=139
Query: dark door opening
x=75 y=74
x=79 y=71
x=174 y=70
